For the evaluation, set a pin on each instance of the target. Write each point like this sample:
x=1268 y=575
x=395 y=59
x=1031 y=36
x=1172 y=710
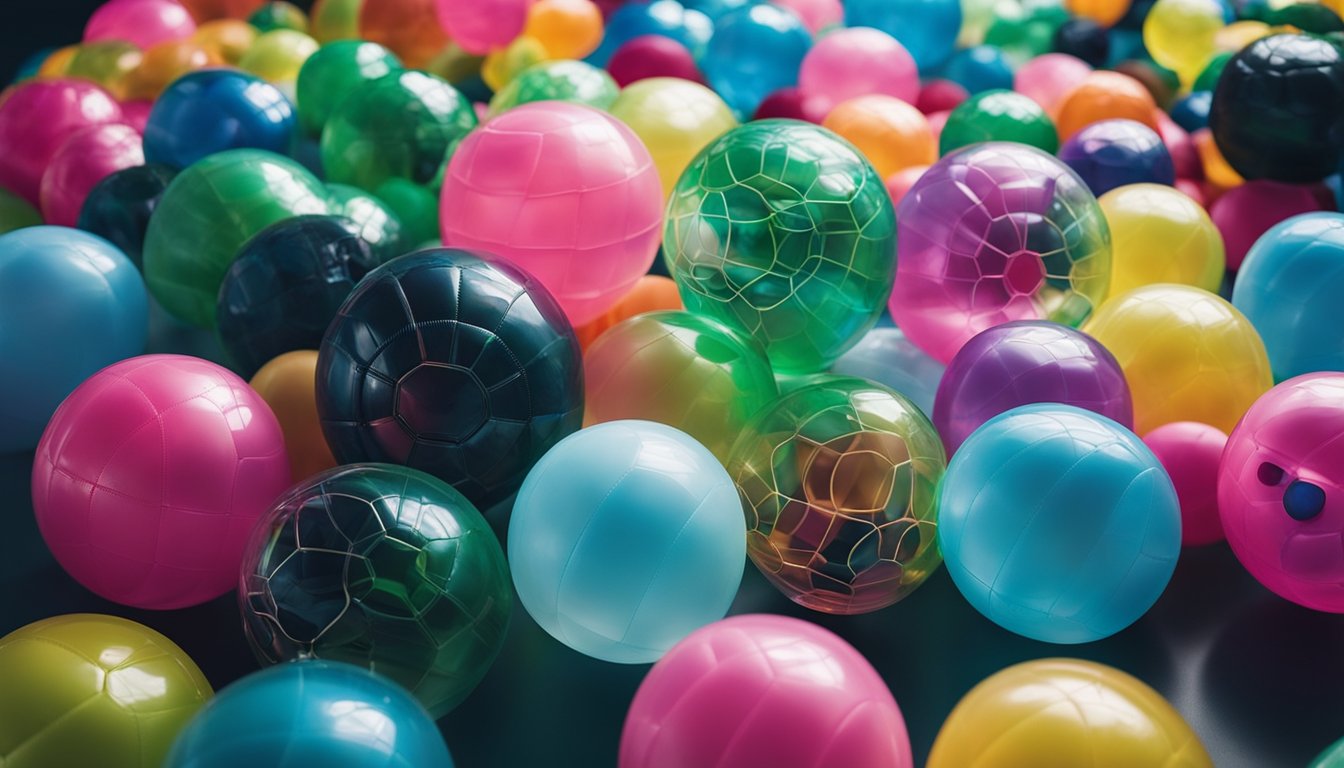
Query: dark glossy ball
x=286 y=285
x=1085 y=39
x=1113 y=153
x=464 y=368
x=1278 y=109
x=213 y=110
x=1191 y=111
x=118 y=208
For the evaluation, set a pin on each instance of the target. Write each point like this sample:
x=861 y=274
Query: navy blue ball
x=1191 y=112
x=1114 y=153
x=217 y=109
x=118 y=207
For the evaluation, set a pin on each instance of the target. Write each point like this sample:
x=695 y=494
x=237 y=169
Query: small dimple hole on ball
x=1269 y=474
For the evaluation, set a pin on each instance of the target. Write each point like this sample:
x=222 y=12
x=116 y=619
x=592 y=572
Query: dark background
x=1260 y=679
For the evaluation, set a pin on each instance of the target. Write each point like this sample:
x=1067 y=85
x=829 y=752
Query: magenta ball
x=143 y=22
x=150 y=475
x=566 y=193
x=1020 y=363
x=936 y=122
x=136 y=114
x=649 y=56
x=1245 y=212
x=764 y=690
x=940 y=96
x=1190 y=451
x=1184 y=156
x=85 y=159
x=858 y=61
x=477 y=26
x=36 y=118
x=792 y=104
x=816 y=14
x=1047 y=78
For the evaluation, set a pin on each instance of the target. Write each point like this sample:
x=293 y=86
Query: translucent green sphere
x=378 y=225
x=208 y=212
x=574 y=81
x=998 y=116
x=403 y=125
x=783 y=230
x=839 y=482
x=329 y=75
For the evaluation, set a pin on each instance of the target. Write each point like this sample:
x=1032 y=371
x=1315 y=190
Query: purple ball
x=1113 y=153
x=1024 y=362
x=652 y=56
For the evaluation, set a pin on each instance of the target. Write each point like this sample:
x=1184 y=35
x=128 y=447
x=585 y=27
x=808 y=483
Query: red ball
x=652 y=56
x=792 y=104
x=1190 y=453
x=940 y=96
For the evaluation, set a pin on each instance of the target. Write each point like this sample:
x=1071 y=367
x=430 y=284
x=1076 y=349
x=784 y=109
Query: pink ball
x=936 y=122
x=1184 y=156
x=1281 y=490
x=136 y=113
x=816 y=14
x=792 y=104
x=149 y=478
x=1190 y=452
x=84 y=160
x=652 y=56
x=901 y=181
x=480 y=25
x=1245 y=212
x=1047 y=78
x=36 y=118
x=1192 y=190
x=940 y=96
x=856 y=62
x=764 y=690
x=563 y=191
x=142 y=22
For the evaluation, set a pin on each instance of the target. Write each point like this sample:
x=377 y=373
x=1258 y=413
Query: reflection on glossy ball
x=756 y=50
x=1246 y=212
x=384 y=567
x=449 y=364
x=1061 y=713
x=374 y=221
x=215 y=110
x=1160 y=235
x=764 y=690
x=84 y=160
x=653 y=293
x=39 y=116
x=1058 y=524
x=573 y=81
x=858 y=61
x=1190 y=452
x=1187 y=354
x=143 y=23
x=1104 y=95
x=1112 y=153
x=927 y=28
x=288 y=384
x=838 y=481
x=567 y=29
x=625 y=538
x=226 y=40
x=887 y=357
x=1180 y=34
x=675 y=119
x=890 y=133
x=409 y=28
x=783 y=230
x=329 y=75
x=85 y=689
x=998 y=115
x=679 y=369
x=118 y=207
x=992 y=233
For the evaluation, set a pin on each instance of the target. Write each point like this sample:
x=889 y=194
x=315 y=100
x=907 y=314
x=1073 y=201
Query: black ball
x=1085 y=39
x=118 y=207
x=1278 y=109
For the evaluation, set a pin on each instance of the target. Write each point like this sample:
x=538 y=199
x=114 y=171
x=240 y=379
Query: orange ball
x=209 y=10
x=163 y=64
x=568 y=29
x=289 y=385
x=408 y=28
x=1217 y=172
x=226 y=41
x=58 y=63
x=1104 y=96
x=892 y=134
x=651 y=294
x=1104 y=12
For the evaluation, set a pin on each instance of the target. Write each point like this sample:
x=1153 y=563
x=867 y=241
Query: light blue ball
x=886 y=356
x=71 y=304
x=626 y=537
x=755 y=51
x=927 y=28
x=311 y=713
x=1291 y=287
x=980 y=68
x=1058 y=524
x=668 y=18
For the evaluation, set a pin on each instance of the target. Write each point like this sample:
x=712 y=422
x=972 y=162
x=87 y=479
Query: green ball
x=416 y=207
x=208 y=212
x=1208 y=78
x=402 y=125
x=998 y=116
x=16 y=213
x=1024 y=35
x=575 y=81
x=329 y=75
x=378 y=225
x=279 y=15
x=783 y=230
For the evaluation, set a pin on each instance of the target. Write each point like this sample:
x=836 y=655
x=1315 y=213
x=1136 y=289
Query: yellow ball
x=1217 y=171
x=58 y=63
x=567 y=29
x=226 y=40
x=1061 y=713
x=1160 y=235
x=289 y=385
x=109 y=63
x=278 y=55
x=1187 y=354
x=333 y=20
x=675 y=119
x=889 y=132
x=1240 y=34
x=504 y=64
x=1179 y=35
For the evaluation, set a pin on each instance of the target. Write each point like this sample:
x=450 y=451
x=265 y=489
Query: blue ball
x=927 y=28
x=1291 y=287
x=979 y=69
x=217 y=109
x=626 y=537
x=755 y=51
x=1115 y=153
x=311 y=713
x=71 y=304
x=1058 y=524
x=886 y=356
x=1191 y=111
x=668 y=18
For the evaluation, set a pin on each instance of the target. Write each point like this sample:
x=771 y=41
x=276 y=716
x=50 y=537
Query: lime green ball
x=329 y=75
x=378 y=225
x=575 y=81
x=279 y=15
x=278 y=55
x=1028 y=35
x=998 y=116
x=416 y=207
x=16 y=213
x=333 y=20
x=1208 y=78
x=109 y=63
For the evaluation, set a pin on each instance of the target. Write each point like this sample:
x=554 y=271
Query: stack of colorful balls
x=388 y=315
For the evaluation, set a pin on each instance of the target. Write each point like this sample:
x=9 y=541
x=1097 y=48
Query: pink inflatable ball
x=144 y=23
x=136 y=114
x=936 y=122
x=793 y=104
x=816 y=14
x=86 y=159
x=1244 y=213
x=150 y=476
x=1190 y=452
x=900 y=182
x=764 y=690
x=858 y=61
x=1184 y=156
x=36 y=118
x=1193 y=190
x=1048 y=78
x=565 y=192
x=477 y=26
x=940 y=96
x=647 y=56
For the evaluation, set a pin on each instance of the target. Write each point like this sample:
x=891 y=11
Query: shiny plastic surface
x=884 y=355
x=329 y=75
x=288 y=384
x=36 y=118
x=1160 y=235
x=756 y=50
x=675 y=119
x=214 y=110
x=408 y=28
x=1190 y=452
x=858 y=61
x=998 y=115
x=577 y=82
x=144 y=23
x=891 y=134
x=118 y=207
x=567 y=29
x=1104 y=95
x=653 y=293
x=1048 y=78
x=650 y=56
x=85 y=159
x=927 y=28
x=477 y=26
x=1180 y=34
x=1246 y=212
x=1112 y=153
